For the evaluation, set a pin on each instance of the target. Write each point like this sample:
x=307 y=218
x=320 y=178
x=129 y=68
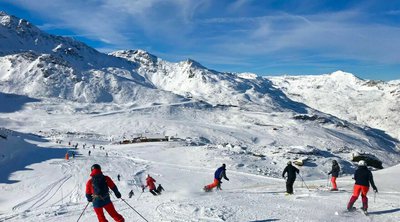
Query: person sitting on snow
x=97 y=192
x=218 y=175
x=335 y=174
x=159 y=189
x=291 y=171
x=363 y=178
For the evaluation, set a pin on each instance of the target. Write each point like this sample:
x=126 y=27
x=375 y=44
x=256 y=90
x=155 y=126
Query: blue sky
x=270 y=37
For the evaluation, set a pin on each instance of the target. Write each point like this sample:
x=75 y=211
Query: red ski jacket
x=103 y=198
x=150 y=183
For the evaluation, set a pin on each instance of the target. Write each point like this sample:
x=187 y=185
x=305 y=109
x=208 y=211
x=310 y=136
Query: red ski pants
x=356 y=192
x=214 y=184
x=333 y=180
x=111 y=211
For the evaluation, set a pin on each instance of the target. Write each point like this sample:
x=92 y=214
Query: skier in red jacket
x=97 y=192
x=150 y=184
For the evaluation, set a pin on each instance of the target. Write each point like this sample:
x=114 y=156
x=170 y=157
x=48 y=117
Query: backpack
x=100 y=187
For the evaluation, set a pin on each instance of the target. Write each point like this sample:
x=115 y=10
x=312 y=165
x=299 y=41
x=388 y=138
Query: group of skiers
x=97 y=188
x=363 y=179
x=97 y=192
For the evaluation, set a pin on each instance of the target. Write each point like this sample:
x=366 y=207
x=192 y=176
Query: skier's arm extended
x=224 y=175
x=371 y=180
x=284 y=172
x=113 y=187
x=89 y=191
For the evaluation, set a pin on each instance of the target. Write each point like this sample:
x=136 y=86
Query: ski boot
x=206 y=189
x=352 y=209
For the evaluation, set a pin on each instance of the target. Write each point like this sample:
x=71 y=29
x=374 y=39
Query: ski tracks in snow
x=43 y=196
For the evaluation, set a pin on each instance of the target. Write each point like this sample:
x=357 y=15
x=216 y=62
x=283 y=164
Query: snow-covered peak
x=394 y=82
x=344 y=77
x=372 y=103
x=192 y=64
x=139 y=56
x=247 y=75
x=20 y=25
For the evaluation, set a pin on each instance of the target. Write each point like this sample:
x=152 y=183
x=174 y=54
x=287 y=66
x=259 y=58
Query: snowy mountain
x=134 y=88
x=57 y=93
x=37 y=64
x=367 y=102
x=192 y=80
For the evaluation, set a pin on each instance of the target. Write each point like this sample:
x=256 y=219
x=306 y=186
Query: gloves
x=142 y=189
x=118 y=194
x=227 y=179
x=376 y=190
x=89 y=197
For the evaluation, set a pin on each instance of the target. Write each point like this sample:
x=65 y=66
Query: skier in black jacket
x=335 y=174
x=291 y=171
x=363 y=177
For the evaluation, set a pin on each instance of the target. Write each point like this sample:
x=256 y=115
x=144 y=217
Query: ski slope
x=53 y=190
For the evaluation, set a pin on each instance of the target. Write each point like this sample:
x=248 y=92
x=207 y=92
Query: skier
x=218 y=175
x=291 y=171
x=159 y=189
x=150 y=183
x=363 y=177
x=131 y=194
x=89 y=152
x=335 y=174
x=119 y=177
x=67 y=156
x=97 y=192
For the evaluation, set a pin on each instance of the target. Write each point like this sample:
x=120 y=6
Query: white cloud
x=177 y=27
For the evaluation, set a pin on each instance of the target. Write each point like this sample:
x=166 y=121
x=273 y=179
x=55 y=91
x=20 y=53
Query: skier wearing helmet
x=363 y=178
x=97 y=192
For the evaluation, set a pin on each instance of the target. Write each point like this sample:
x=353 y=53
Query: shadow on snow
x=13 y=102
x=267 y=220
x=16 y=154
x=385 y=211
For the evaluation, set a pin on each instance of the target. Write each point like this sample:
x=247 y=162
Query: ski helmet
x=289 y=162
x=362 y=163
x=95 y=166
x=223 y=165
x=334 y=161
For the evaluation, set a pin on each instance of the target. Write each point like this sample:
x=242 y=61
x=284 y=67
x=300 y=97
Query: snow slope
x=57 y=89
x=59 y=193
x=372 y=103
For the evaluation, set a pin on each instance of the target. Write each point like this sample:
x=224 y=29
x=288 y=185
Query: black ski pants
x=154 y=192
x=289 y=185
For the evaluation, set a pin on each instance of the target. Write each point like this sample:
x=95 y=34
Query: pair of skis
x=354 y=209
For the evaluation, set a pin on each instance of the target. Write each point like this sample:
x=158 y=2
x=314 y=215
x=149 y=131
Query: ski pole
x=304 y=182
x=140 y=195
x=374 y=196
x=327 y=182
x=134 y=210
x=83 y=211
